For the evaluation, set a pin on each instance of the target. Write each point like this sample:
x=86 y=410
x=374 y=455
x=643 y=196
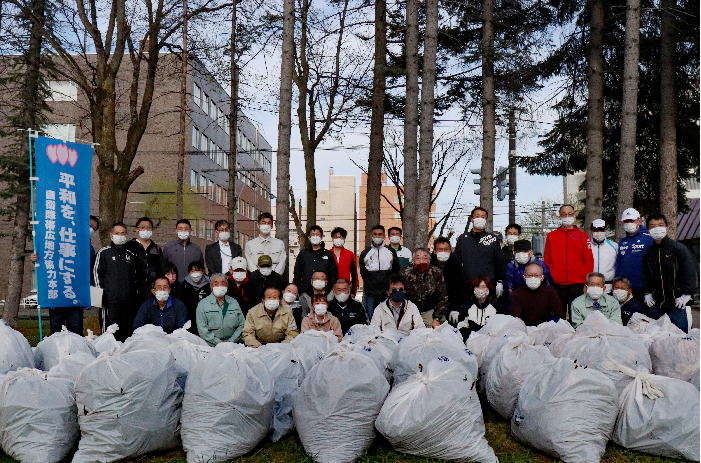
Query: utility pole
x=512 y=167
x=231 y=196
x=183 y=121
x=542 y=216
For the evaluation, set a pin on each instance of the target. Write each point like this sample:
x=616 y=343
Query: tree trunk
x=377 y=122
x=428 y=83
x=629 y=114
x=231 y=196
x=488 y=111
x=668 y=120
x=595 y=114
x=411 y=123
x=183 y=120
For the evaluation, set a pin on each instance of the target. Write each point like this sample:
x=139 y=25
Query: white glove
x=499 y=289
x=608 y=288
x=682 y=300
x=649 y=300
x=453 y=316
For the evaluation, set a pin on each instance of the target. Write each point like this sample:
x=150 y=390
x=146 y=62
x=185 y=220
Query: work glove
x=649 y=300
x=499 y=289
x=682 y=300
x=453 y=316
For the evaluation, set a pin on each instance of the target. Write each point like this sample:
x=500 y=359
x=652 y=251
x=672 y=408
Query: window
x=65 y=132
x=197 y=95
x=62 y=91
x=193 y=180
x=195 y=136
x=203 y=142
x=205 y=103
x=201 y=185
x=323 y=202
x=398 y=215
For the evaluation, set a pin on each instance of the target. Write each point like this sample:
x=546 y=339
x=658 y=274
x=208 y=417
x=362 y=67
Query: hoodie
x=629 y=260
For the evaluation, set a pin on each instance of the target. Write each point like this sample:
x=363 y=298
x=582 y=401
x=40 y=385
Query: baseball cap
x=238 y=262
x=598 y=223
x=264 y=260
x=522 y=245
x=630 y=214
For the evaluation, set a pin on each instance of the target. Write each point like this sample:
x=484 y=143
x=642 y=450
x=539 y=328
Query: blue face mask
x=397 y=296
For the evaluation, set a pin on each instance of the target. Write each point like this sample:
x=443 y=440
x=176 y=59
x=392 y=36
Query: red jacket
x=568 y=256
x=347 y=268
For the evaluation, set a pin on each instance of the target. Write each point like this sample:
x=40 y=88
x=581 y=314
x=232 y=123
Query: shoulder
x=580 y=300
x=212 y=246
x=177 y=303
x=104 y=250
x=410 y=306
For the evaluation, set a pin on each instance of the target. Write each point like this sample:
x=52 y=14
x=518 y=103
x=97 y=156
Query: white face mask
x=219 y=291
x=239 y=276
x=599 y=236
x=266 y=271
x=119 y=239
x=521 y=257
x=145 y=234
x=343 y=297
x=442 y=256
x=395 y=239
x=224 y=236
x=265 y=229
x=320 y=309
x=271 y=304
x=318 y=284
x=378 y=241
x=183 y=235
x=481 y=293
x=630 y=227
x=567 y=221
x=533 y=282
x=595 y=292
x=339 y=242
x=479 y=223
x=658 y=233
x=196 y=276
x=92 y=231
x=511 y=239
x=620 y=294
x=289 y=297
x=162 y=296
x=315 y=240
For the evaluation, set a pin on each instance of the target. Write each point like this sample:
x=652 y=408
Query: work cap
x=522 y=245
x=238 y=263
x=598 y=223
x=264 y=260
x=630 y=214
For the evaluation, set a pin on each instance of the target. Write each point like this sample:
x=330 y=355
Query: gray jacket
x=181 y=255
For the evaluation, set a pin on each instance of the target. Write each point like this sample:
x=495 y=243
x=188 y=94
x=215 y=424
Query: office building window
x=398 y=216
x=197 y=96
x=195 y=136
x=205 y=103
x=193 y=180
x=65 y=132
x=62 y=90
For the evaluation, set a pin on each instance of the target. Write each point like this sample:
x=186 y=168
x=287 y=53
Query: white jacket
x=383 y=317
x=605 y=258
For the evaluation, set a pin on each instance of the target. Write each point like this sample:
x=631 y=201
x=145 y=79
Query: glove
x=682 y=300
x=649 y=300
x=499 y=289
x=453 y=316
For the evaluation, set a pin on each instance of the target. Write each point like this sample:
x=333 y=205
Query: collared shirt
x=268 y=246
x=225 y=251
x=396 y=311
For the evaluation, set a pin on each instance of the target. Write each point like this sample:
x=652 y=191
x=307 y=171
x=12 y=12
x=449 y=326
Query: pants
x=427 y=317
x=72 y=317
x=677 y=316
x=567 y=294
x=370 y=302
x=122 y=314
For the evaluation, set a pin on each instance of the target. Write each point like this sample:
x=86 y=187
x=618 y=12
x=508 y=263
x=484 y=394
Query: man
x=161 y=309
x=623 y=292
x=264 y=277
x=94 y=226
x=115 y=273
x=425 y=287
x=192 y=290
x=535 y=302
x=396 y=312
x=440 y=258
x=182 y=251
x=218 y=255
x=403 y=253
x=148 y=258
x=515 y=271
x=348 y=311
x=594 y=298
x=629 y=260
x=513 y=234
x=377 y=263
x=219 y=318
x=669 y=274
x=314 y=257
x=441 y=253
x=264 y=244
x=319 y=284
x=271 y=321
x=345 y=259
x=568 y=257
x=241 y=287
x=604 y=251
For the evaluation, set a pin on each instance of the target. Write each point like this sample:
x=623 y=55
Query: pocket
x=214 y=319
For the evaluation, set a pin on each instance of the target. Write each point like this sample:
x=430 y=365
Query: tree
x=488 y=111
x=411 y=124
x=668 y=122
x=183 y=119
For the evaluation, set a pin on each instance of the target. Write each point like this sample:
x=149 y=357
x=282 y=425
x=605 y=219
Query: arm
x=547 y=275
x=499 y=266
x=417 y=321
x=249 y=333
x=509 y=278
x=98 y=269
x=250 y=257
x=515 y=305
x=181 y=314
x=208 y=260
x=353 y=275
x=395 y=262
x=546 y=252
x=645 y=274
x=577 y=317
x=377 y=319
x=280 y=267
x=140 y=319
x=297 y=272
x=235 y=250
x=305 y=324
x=363 y=270
x=291 y=332
x=333 y=269
x=556 y=305
x=238 y=332
x=588 y=255
x=336 y=326
x=202 y=327
x=441 y=309
x=616 y=313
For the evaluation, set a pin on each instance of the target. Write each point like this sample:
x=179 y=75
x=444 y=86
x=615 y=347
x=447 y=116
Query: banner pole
x=32 y=179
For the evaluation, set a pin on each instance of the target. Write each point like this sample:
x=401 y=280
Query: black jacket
x=451 y=275
x=245 y=293
x=191 y=293
x=631 y=307
x=212 y=256
x=352 y=314
x=478 y=254
x=309 y=261
x=171 y=318
x=148 y=266
x=115 y=273
x=259 y=283
x=669 y=271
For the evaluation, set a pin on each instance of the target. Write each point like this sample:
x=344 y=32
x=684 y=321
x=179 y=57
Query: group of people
x=239 y=295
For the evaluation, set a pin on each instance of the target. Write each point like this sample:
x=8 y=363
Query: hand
x=435 y=324
x=499 y=289
x=649 y=300
x=682 y=300
x=453 y=316
x=33 y=257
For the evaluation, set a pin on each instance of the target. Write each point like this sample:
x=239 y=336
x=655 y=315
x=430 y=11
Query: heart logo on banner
x=51 y=153
x=62 y=154
x=72 y=157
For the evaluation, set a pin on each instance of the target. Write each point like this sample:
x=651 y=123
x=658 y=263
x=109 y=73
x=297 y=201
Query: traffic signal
x=502 y=183
x=477 y=181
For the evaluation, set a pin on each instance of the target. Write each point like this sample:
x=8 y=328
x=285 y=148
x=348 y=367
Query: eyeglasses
x=531 y=275
x=394 y=290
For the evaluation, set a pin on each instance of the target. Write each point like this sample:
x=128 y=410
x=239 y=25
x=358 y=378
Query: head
x=479 y=216
x=320 y=304
x=196 y=269
x=631 y=220
x=482 y=287
x=567 y=215
x=523 y=251
x=377 y=233
x=395 y=235
x=171 y=272
x=223 y=230
x=622 y=288
x=421 y=259
x=144 y=228
x=657 y=226
x=271 y=298
x=219 y=284
x=598 y=230
x=183 y=229
x=441 y=244
x=265 y=265
x=94 y=223
x=533 y=275
x=315 y=235
x=265 y=223
x=596 y=283
x=338 y=235
x=239 y=269
x=513 y=233
x=290 y=293
x=319 y=280
x=160 y=288
x=119 y=233
x=341 y=287
x=397 y=283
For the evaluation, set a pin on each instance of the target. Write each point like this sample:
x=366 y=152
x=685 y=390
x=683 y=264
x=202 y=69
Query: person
x=513 y=234
x=629 y=259
x=568 y=256
x=345 y=259
x=319 y=285
x=523 y=256
x=264 y=244
x=440 y=258
x=265 y=277
x=182 y=251
x=668 y=274
x=481 y=306
x=94 y=227
x=170 y=271
x=219 y=317
x=441 y=253
x=148 y=258
x=161 y=309
x=535 y=302
x=314 y=257
x=192 y=290
x=396 y=312
x=321 y=319
x=425 y=287
x=604 y=251
x=377 y=263
x=218 y=255
x=270 y=321
x=403 y=253
x=348 y=311
x=241 y=287
x=594 y=298
x=115 y=273
x=290 y=299
x=623 y=292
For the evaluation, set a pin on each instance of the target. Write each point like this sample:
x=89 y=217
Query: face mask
x=533 y=282
x=224 y=236
x=318 y=284
x=395 y=239
x=620 y=294
x=521 y=257
x=265 y=229
x=315 y=240
x=271 y=304
x=339 y=242
x=479 y=223
x=343 y=297
x=595 y=292
x=397 y=296
x=378 y=241
x=481 y=293
x=599 y=237
x=422 y=267
x=92 y=231
x=320 y=309
x=119 y=239
x=162 y=296
x=145 y=234
x=171 y=278
x=511 y=239
x=219 y=291
x=658 y=233
x=266 y=271
x=289 y=297
x=239 y=276
x=630 y=227
x=442 y=256
x=183 y=235
x=196 y=276
x=567 y=221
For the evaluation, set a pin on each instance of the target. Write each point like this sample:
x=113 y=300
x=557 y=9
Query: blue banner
x=62 y=236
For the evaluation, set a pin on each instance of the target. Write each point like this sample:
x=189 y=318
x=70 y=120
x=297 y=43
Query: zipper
x=659 y=262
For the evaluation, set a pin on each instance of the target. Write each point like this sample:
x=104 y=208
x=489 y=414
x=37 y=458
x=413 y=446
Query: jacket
x=409 y=317
x=452 y=279
x=536 y=306
x=479 y=254
x=245 y=293
x=347 y=269
x=181 y=255
x=148 y=265
x=308 y=261
x=568 y=256
x=629 y=259
x=172 y=317
x=515 y=271
x=475 y=315
x=403 y=256
x=212 y=256
x=191 y=293
x=584 y=304
x=115 y=273
x=630 y=307
x=605 y=258
x=353 y=313
x=377 y=263
x=269 y=246
x=214 y=326
x=669 y=271
x=259 y=283
x=261 y=329
x=330 y=323
x=427 y=290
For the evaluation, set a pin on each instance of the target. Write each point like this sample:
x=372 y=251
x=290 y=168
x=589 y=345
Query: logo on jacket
x=487 y=240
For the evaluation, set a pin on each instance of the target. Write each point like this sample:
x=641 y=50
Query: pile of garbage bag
x=676 y=356
x=106 y=342
x=49 y=351
x=553 y=335
x=15 y=351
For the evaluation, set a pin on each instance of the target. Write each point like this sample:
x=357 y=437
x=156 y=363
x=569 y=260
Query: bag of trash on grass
x=15 y=351
x=49 y=351
x=71 y=365
x=676 y=356
x=479 y=341
x=106 y=342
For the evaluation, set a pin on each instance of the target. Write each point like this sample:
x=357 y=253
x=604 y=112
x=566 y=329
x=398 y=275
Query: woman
x=171 y=272
x=269 y=321
x=193 y=289
x=320 y=318
x=290 y=299
x=219 y=317
x=482 y=306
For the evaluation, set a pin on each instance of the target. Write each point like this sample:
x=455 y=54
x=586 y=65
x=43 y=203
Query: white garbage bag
x=479 y=341
x=496 y=343
x=183 y=333
x=106 y=342
x=147 y=337
x=675 y=356
x=567 y=411
x=558 y=342
x=128 y=405
x=640 y=324
x=449 y=333
x=384 y=345
x=545 y=333
x=510 y=367
x=228 y=406
x=695 y=380
x=15 y=351
x=596 y=324
x=321 y=341
x=49 y=351
x=336 y=407
x=356 y=332
x=695 y=333
x=437 y=413
x=370 y=351
x=38 y=416
x=71 y=365
x=186 y=356
x=658 y=415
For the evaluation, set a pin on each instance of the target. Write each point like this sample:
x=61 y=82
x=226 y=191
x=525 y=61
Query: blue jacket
x=514 y=274
x=172 y=317
x=629 y=261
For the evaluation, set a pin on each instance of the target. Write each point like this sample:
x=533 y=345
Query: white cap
x=238 y=262
x=630 y=214
x=598 y=223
